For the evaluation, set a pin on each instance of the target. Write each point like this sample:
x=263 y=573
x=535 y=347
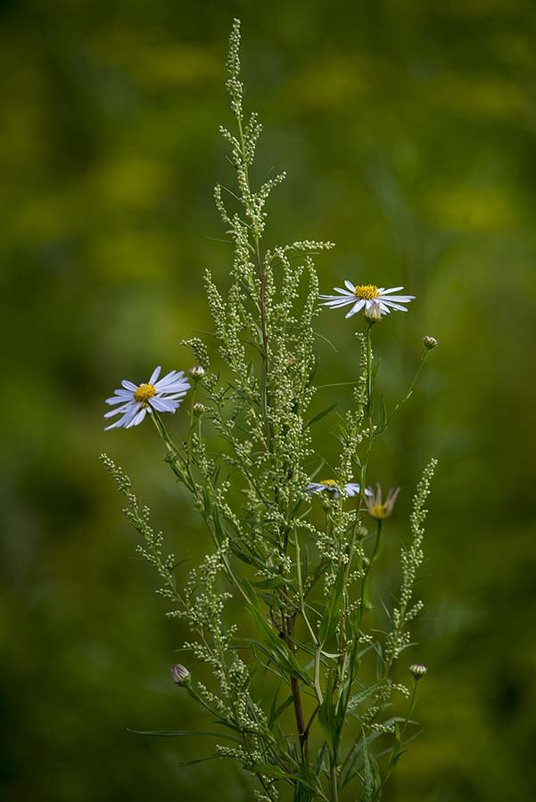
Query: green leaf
x=184 y=734
x=320 y=415
x=332 y=608
x=362 y=696
x=273 y=582
x=277 y=649
x=305 y=776
x=279 y=710
x=184 y=763
x=372 y=781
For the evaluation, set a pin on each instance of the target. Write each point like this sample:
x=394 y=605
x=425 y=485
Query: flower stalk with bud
x=307 y=690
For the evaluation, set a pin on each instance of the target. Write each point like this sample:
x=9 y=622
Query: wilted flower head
x=378 y=509
x=429 y=342
x=368 y=297
x=134 y=401
x=181 y=675
x=373 y=313
x=418 y=670
x=331 y=486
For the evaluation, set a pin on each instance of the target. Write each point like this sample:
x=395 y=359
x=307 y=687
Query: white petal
x=337 y=302
x=395 y=306
x=350 y=286
x=356 y=308
x=403 y=299
x=392 y=289
x=344 y=292
x=129 y=385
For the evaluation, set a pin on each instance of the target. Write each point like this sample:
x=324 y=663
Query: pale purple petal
x=125 y=420
x=180 y=386
x=350 y=286
x=154 y=375
x=118 y=411
x=166 y=379
x=136 y=419
x=129 y=385
x=118 y=399
x=164 y=404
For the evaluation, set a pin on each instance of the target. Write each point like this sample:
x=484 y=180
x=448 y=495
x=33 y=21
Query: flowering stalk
x=292 y=684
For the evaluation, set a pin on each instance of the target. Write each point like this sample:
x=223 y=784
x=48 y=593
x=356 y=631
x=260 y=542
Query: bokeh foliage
x=408 y=131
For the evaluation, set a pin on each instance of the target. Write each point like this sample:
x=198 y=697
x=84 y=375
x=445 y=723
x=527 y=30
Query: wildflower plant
x=309 y=690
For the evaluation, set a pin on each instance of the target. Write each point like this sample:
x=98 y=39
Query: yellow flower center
x=379 y=512
x=328 y=482
x=144 y=392
x=366 y=291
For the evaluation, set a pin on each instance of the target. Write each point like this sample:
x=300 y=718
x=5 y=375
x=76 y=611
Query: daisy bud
x=181 y=675
x=373 y=312
x=429 y=342
x=418 y=671
x=197 y=372
x=198 y=408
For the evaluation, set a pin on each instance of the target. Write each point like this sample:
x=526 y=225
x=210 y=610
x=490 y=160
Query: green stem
x=364 y=584
x=368 y=412
x=369 y=373
x=410 y=390
x=334 y=785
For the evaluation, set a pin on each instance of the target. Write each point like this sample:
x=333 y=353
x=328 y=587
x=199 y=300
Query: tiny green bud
x=197 y=372
x=429 y=342
x=418 y=671
x=198 y=408
x=181 y=675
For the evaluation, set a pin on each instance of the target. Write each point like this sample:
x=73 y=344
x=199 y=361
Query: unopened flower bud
x=181 y=675
x=373 y=312
x=418 y=671
x=429 y=342
x=198 y=408
x=197 y=372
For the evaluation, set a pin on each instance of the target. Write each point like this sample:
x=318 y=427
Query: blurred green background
x=408 y=130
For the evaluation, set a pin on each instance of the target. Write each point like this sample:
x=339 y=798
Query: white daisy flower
x=368 y=297
x=134 y=401
x=350 y=489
